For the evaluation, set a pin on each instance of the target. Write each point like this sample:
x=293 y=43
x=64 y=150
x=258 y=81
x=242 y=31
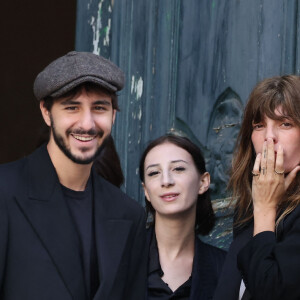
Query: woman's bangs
x=275 y=108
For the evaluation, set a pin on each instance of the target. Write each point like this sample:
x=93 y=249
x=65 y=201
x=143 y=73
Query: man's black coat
x=39 y=246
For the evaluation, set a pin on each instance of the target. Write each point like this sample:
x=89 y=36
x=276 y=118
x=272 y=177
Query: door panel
x=190 y=66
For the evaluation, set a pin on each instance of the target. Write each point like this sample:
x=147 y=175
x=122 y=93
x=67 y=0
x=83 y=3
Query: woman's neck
x=176 y=248
x=175 y=236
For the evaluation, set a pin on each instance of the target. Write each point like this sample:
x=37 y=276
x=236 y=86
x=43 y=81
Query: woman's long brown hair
x=270 y=94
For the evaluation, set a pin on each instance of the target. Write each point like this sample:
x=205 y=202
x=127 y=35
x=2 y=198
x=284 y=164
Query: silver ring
x=279 y=173
x=255 y=174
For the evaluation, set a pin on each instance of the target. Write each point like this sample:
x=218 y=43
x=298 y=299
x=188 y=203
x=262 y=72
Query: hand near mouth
x=269 y=185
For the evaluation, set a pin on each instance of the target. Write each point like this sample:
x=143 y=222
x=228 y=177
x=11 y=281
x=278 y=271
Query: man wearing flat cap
x=66 y=233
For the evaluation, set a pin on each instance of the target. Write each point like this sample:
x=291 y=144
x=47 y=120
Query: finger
x=257 y=164
x=263 y=164
x=270 y=156
x=290 y=177
x=279 y=165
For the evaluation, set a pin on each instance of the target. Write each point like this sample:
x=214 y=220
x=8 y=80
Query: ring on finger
x=279 y=173
x=255 y=174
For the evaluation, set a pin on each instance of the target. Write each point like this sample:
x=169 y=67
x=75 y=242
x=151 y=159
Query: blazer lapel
x=246 y=295
x=230 y=279
x=48 y=214
x=111 y=239
x=203 y=278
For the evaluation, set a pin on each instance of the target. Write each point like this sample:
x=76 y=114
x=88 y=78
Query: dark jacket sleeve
x=270 y=267
x=3 y=239
x=136 y=281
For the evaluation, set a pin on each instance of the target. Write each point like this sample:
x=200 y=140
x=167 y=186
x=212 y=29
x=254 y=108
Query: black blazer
x=207 y=266
x=269 y=263
x=39 y=246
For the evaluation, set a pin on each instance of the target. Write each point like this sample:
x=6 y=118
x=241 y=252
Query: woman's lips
x=168 y=197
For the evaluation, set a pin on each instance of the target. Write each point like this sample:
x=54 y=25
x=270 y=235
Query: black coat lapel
x=112 y=233
x=202 y=279
x=48 y=214
x=230 y=280
x=246 y=295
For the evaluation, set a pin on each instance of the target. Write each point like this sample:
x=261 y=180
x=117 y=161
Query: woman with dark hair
x=264 y=258
x=175 y=181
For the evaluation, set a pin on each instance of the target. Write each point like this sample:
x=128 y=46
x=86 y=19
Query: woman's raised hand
x=268 y=185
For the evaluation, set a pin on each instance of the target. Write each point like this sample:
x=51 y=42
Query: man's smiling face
x=80 y=123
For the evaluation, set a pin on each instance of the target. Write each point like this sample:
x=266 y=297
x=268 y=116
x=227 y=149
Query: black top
x=157 y=288
x=268 y=262
x=81 y=205
x=207 y=265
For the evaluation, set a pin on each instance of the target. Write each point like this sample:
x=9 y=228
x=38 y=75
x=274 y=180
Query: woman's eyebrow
x=153 y=165
x=179 y=160
x=172 y=162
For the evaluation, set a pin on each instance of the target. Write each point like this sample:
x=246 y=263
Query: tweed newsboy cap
x=73 y=69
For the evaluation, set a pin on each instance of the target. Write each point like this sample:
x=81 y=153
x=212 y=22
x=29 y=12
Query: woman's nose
x=167 y=179
x=271 y=133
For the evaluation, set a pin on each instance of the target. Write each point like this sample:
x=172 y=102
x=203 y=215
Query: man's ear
x=145 y=191
x=204 y=183
x=45 y=113
x=114 y=116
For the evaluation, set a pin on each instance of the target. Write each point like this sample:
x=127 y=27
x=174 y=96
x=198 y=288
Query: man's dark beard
x=62 y=146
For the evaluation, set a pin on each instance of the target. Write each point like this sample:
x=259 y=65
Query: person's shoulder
x=118 y=197
x=17 y=172
x=290 y=223
x=14 y=167
x=210 y=258
x=294 y=213
x=213 y=250
x=9 y=172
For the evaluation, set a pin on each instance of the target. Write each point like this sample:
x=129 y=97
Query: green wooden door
x=190 y=66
